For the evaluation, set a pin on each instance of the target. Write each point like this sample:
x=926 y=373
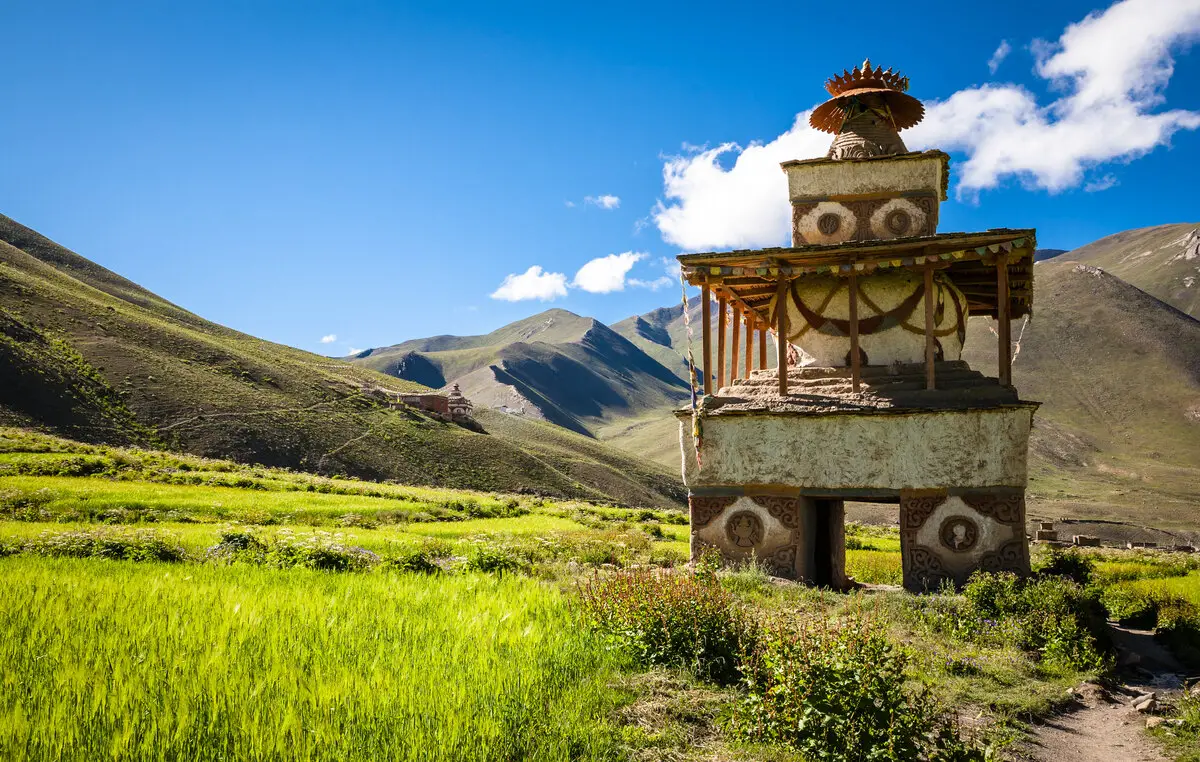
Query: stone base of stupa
x=774 y=471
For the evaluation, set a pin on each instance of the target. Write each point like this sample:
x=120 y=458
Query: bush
x=1054 y=616
x=672 y=619
x=1178 y=627
x=493 y=558
x=320 y=550
x=358 y=521
x=667 y=557
x=412 y=559
x=1132 y=608
x=1068 y=563
x=837 y=692
x=116 y=544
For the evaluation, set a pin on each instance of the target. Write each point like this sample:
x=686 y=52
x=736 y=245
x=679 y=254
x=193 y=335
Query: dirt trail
x=1103 y=726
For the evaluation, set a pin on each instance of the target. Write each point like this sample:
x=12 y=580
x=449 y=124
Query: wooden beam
x=736 y=325
x=930 y=382
x=721 y=308
x=855 y=361
x=1002 y=317
x=749 y=346
x=762 y=347
x=706 y=321
x=781 y=333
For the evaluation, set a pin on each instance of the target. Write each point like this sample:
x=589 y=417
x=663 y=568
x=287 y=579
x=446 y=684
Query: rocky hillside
x=88 y=354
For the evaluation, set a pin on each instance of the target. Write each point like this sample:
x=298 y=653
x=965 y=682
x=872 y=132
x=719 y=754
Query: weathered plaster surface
x=830 y=298
x=918 y=450
x=831 y=179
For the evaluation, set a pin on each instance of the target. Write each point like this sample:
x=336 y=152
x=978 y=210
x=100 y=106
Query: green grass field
x=109 y=660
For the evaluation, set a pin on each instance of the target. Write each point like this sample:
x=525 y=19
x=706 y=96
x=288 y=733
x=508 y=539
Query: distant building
x=458 y=405
x=430 y=403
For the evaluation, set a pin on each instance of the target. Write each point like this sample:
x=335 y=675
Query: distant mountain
x=1041 y=255
x=1163 y=261
x=90 y=355
x=663 y=334
x=556 y=366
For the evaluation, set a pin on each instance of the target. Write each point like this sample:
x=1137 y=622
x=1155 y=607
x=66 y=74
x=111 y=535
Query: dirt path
x=1104 y=727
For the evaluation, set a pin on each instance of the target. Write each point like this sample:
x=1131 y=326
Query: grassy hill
x=556 y=366
x=91 y=355
x=1163 y=261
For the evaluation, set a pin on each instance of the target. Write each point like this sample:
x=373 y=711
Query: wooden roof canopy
x=750 y=278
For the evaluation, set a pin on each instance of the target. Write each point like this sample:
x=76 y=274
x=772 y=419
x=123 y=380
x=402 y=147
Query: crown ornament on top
x=864 y=76
x=867 y=90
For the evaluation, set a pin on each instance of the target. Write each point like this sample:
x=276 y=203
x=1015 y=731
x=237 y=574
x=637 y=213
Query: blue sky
x=374 y=171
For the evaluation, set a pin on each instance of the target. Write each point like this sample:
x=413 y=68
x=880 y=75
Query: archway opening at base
x=828 y=560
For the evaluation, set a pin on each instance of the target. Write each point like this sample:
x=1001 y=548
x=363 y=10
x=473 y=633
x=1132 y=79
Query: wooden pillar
x=706 y=321
x=762 y=347
x=930 y=354
x=736 y=327
x=749 y=346
x=781 y=333
x=1002 y=316
x=721 y=306
x=855 y=361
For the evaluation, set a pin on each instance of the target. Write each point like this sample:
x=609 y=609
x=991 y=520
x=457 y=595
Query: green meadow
x=106 y=660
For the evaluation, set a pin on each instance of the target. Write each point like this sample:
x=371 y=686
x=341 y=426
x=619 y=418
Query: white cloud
x=569 y=204
x=354 y=350
x=1002 y=51
x=604 y=202
x=603 y=275
x=329 y=338
x=532 y=284
x=740 y=207
x=1100 y=184
x=1109 y=70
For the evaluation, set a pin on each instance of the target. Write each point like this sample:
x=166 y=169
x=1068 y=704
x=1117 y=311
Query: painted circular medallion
x=959 y=533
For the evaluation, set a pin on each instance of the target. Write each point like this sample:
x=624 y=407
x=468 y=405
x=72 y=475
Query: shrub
x=1178 y=627
x=1132 y=608
x=672 y=619
x=117 y=544
x=667 y=557
x=358 y=521
x=494 y=558
x=837 y=692
x=1068 y=563
x=1054 y=616
x=321 y=550
x=412 y=559
x=19 y=505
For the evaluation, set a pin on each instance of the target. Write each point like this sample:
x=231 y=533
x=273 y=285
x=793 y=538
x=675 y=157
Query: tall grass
x=105 y=660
